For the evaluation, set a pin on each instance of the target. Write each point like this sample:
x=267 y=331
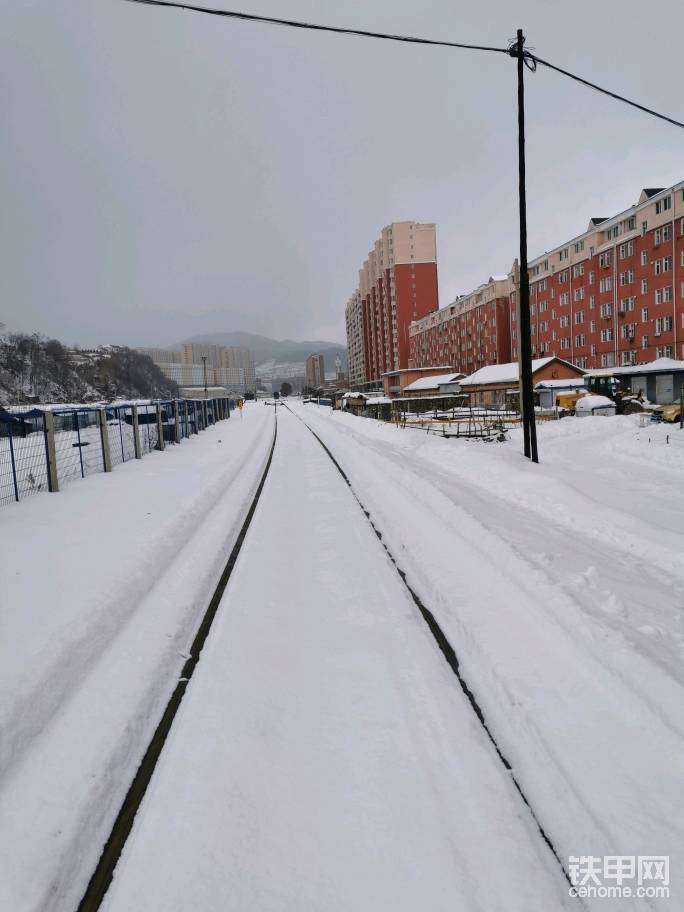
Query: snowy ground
x=103 y=586
x=324 y=756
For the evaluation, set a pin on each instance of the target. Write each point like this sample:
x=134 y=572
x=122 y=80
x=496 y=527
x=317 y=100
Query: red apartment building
x=611 y=296
x=473 y=331
x=614 y=295
x=397 y=285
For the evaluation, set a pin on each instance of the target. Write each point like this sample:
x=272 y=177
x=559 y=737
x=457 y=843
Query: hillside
x=36 y=370
x=282 y=351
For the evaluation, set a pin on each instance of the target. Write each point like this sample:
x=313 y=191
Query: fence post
x=104 y=437
x=160 y=428
x=176 y=413
x=50 y=451
x=186 y=418
x=14 y=465
x=205 y=414
x=136 y=432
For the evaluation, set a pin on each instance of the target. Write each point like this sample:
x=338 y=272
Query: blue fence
x=85 y=440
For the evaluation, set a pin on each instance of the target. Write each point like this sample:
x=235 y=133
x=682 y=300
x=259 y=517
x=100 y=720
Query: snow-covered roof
x=378 y=400
x=560 y=384
x=660 y=364
x=505 y=373
x=434 y=382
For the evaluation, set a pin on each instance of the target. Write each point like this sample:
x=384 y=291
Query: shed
x=438 y=384
x=490 y=385
x=659 y=381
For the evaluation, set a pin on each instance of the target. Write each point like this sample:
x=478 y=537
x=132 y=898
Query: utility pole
x=524 y=342
x=204 y=365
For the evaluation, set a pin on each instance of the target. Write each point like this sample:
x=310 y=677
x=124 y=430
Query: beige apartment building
x=397 y=284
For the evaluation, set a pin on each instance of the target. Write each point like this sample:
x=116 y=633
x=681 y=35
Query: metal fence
x=41 y=450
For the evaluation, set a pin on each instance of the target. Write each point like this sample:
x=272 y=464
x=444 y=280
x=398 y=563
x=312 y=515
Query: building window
x=644 y=286
x=606 y=335
x=664 y=351
x=663 y=205
x=580 y=341
x=579 y=317
x=608 y=360
x=644 y=257
x=605 y=258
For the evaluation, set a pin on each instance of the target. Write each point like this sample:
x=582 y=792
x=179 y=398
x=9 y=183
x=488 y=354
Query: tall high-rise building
x=397 y=285
x=315 y=371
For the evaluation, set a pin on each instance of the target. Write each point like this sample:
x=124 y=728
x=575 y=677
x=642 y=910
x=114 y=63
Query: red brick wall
x=416 y=296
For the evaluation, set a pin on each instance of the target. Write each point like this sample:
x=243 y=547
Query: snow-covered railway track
x=447 y=651
x=102 y=875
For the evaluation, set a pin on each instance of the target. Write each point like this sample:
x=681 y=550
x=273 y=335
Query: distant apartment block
x=162 y=355
x=397 y=285
x=315 y=371
x=232 y=378
x=232 y=368
x=243 y=359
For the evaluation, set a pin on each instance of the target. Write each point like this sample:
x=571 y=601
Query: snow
x=558 y=585
x=427 y=383
x=587 y=404
x=650 y=367
x=103 y=585
x=324 y=757
x=568 y=383
x=378 y=400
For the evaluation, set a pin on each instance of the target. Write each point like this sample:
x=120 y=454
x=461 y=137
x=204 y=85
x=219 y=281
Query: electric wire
x=295 y=23
x=531 y=60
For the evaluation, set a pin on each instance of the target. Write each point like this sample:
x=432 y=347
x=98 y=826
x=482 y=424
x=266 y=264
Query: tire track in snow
x=102 y=876
x=449 y=654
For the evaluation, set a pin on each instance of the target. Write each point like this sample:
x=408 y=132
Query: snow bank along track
x=448 y=652
x=102 y=876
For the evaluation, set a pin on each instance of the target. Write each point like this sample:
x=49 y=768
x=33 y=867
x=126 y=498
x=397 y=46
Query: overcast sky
x=164 y=174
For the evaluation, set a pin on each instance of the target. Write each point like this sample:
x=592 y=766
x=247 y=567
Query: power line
x=294 y=23
x=530 y=59
x=598 y=88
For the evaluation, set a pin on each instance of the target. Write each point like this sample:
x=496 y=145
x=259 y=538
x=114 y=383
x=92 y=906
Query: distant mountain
x=281 y=351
